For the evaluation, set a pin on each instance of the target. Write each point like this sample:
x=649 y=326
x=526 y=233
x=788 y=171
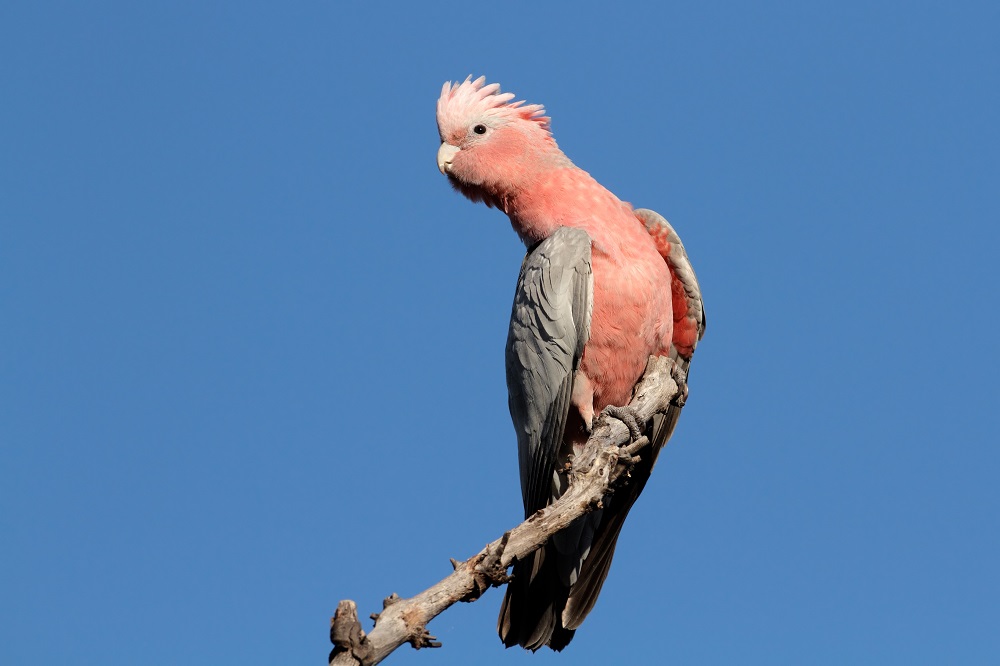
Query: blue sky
x=252 y=343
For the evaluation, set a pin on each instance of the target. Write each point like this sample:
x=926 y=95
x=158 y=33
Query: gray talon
x=680 y=378
x=628 y=416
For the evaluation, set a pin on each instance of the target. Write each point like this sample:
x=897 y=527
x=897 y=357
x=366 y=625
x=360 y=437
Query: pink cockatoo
x=602 y=288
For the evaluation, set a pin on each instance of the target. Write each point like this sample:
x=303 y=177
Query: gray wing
x=549 y=326
x=689 y=327
x=689 y=307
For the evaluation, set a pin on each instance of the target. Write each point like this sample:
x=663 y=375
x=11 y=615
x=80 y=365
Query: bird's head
x=489 y=144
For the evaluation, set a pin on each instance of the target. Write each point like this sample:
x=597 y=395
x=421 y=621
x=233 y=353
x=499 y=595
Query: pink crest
x=459 y=102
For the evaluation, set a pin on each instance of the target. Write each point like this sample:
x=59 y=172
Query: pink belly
x=632 y=319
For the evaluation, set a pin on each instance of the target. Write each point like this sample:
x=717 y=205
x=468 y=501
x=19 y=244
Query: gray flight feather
x=594 y=569
x=549 y=326
x=680 y=266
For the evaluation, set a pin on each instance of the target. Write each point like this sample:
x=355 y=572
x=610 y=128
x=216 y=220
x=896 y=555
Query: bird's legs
x=679 y=376
x=630 y=417
x=627 y=415
x=583 y=398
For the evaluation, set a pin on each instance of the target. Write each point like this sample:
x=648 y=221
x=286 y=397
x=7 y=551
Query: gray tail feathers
x=539 y=608
x=531 y=613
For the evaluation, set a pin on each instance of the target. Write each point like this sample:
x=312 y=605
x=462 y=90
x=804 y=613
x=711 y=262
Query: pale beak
x=446 y=153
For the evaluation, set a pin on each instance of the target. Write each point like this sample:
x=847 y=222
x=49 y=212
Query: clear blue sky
x=252 y=343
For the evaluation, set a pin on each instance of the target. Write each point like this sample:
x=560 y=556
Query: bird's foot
x=680 y=378
x=627 y=415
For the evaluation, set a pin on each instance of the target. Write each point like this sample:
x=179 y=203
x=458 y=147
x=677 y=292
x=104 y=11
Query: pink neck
x=565 y=196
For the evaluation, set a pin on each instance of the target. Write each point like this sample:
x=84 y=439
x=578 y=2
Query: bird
x=602 y=287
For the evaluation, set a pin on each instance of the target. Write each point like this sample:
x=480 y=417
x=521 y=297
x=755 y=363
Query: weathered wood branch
x=593 y=473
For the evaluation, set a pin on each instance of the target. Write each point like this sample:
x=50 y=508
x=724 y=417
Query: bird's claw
x=680 y=378
x=627 y=415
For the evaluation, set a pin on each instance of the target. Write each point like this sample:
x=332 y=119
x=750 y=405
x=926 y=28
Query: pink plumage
x=502 y=152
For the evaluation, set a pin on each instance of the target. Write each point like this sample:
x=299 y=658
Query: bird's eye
x=479 y=129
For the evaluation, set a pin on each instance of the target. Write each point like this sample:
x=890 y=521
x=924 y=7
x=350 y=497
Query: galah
x=602 y=287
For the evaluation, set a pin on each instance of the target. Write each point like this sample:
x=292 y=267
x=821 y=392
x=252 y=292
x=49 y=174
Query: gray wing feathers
x=549 y=326
x=680 y=266
x=595 y=567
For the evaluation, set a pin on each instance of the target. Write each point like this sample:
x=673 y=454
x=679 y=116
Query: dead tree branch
x=594 y=471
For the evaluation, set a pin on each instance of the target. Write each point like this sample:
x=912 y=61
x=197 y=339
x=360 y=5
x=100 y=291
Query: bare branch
x=594 y=471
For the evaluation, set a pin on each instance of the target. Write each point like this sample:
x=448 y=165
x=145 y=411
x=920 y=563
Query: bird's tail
x=540 y=607
x=531 y=613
